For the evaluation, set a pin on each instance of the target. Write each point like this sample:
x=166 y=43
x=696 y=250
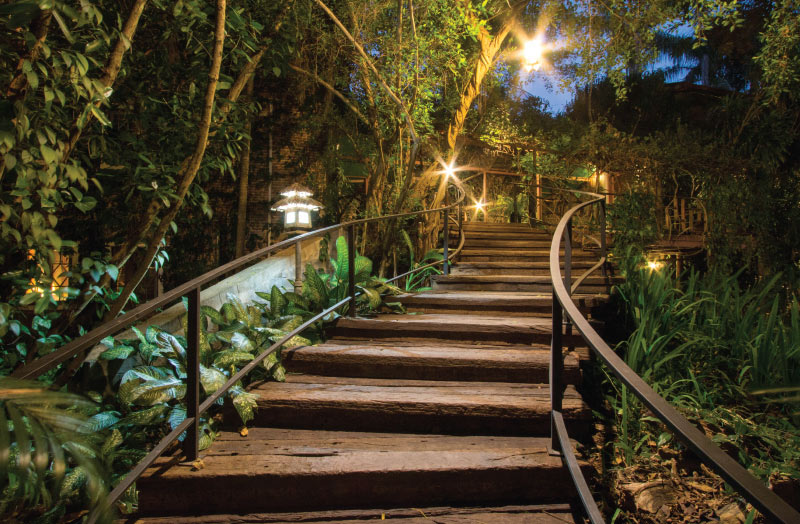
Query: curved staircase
x=440 y=414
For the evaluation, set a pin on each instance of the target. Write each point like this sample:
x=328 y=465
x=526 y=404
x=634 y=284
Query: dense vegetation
x=123 y=124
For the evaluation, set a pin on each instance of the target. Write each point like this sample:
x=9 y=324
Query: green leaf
x=213 y=314
x=100 y=421
x=49 y=156
x=225 y=359
x=241 y=343
x=111 y=443
x=342 y=261
x=277 y=301
x=363 y=268
x=101 y=117
x=211 y=379
x=145 y=417
x=120 y=351
x=245 y=403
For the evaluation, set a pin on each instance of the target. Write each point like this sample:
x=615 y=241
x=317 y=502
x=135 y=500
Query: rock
x=731 y=514
x=653 y=498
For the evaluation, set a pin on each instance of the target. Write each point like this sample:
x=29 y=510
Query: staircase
x=443 y=413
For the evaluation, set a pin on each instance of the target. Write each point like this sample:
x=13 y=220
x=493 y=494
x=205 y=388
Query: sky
x=537 y=85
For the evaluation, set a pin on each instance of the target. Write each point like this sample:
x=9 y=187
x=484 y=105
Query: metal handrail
x=191 y=290
x=763 y=499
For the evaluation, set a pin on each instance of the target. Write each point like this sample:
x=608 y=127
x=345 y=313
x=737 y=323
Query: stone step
x=469 y=329
x=494 y=303
x=528 y=283
x=516 y=514
x=426 y=361
x=278 y=470
x=414 y=406
x=512 y=267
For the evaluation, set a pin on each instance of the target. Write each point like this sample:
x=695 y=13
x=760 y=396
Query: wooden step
x=494 y=226
x=414 y=406
x=529 y=283
x=517 y=514
x=495 y=303
x=530 y=255
x=512 y=267
x=469 y=329
x=427 y=361
x=274 y=470
x=517 y=244
x=505 y=235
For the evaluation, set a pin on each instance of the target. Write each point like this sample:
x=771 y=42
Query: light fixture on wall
x=297 y=206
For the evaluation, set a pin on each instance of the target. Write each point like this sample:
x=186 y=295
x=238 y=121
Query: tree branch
x=188 y=170
x=110 y=70
x=333 y=91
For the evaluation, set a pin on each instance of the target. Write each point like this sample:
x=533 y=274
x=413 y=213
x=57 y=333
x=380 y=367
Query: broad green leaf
x=225 y=359
x=213 y=314
x=211 y=379
x=145 y=417
x=241 y=343
x=116 y=352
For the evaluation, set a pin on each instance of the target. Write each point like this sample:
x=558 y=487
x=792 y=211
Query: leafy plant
x=49 y=460
x=416 y=281
x=322 y=290
x=709 y=346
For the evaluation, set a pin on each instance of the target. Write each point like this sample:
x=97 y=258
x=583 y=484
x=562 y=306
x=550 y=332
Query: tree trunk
x=188 y=170
x=489 y=46
x=244 y=177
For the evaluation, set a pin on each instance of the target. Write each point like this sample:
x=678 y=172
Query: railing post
x=351 y=270
x=568 y=270
x=556 y=372
x=603 y=245
x=298 y=268
x=445 y=254
x=190 y=443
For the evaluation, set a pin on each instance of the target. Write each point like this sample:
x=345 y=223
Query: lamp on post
x=296 y=207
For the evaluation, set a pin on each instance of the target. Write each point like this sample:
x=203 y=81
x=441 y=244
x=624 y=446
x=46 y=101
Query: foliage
x=50 y=461
x=416 y=280
x=708 y=346
x=632 y=222
x=322 y=290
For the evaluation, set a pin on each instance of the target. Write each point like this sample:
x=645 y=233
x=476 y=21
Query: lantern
x=297 y=206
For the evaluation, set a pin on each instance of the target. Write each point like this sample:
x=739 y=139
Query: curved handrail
x=92 y=338
x=755 y=492
x=191 y=290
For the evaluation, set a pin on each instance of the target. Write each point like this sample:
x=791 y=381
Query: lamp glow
x=532 y=52
x=297 y=206
x=653 y=265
